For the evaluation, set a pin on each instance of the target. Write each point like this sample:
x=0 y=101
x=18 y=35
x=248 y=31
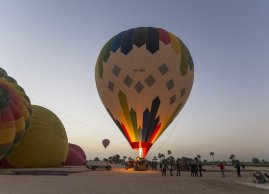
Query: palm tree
x=212 y=155
x=159 y=156
x=199 y=157
x=232 y=156
x=169 y=153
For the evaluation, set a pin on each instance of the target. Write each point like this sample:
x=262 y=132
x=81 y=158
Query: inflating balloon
x=15 y=113
x=105 y=142
x=78 y=149
x=45 y=145
x=76 y=156
x=144 y=77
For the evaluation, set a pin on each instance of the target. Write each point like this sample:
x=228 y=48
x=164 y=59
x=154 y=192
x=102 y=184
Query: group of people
x=238 y=166
x=169 y=164
x=195 y=168
x=153 y=165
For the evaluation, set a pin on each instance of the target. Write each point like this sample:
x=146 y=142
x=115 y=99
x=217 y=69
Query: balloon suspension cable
x=166 y=140
x=79 y=121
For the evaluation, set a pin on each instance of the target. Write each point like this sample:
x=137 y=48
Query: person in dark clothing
x=238 y=168
x=196 y=169
x=200 y=168
x=161 y=166
x=193 y=169
x=171 y=167
x=164 y=167
x=178 y=168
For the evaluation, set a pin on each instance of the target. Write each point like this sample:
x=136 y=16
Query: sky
x=51 y=48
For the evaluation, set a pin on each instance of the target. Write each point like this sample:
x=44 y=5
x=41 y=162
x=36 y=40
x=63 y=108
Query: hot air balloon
x=15 y=112
x=45 y=145
x=76 y=156
x=105 y=142
x=78 y=149
x=144 y=77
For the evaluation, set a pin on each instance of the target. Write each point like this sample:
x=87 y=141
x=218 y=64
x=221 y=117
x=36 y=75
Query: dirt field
x=118 y=180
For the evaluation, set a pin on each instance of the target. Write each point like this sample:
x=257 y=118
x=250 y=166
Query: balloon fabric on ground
x=15 y=112
x=144 y=77
x=45 y=145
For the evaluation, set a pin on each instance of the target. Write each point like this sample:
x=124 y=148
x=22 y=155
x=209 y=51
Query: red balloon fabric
x=74 y=158
x=78 y=149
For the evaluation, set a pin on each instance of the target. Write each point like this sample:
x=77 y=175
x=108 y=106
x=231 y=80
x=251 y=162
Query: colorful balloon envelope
x=45 y=145
x=15 y=113
x=144 y=77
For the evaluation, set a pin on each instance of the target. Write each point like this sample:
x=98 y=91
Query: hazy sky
x=51 y=47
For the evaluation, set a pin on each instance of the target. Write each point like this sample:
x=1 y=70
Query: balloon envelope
x=74 y=158
x=15 y=113
x=78 y=149
x=105 y=142
x=45 y=144
x=144 y=77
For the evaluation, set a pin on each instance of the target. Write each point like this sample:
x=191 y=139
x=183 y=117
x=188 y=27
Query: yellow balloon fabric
x=45 y=144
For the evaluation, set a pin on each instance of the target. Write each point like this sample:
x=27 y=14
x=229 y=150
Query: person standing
x=164 y=167
x=196 y=169
x=221 y=166
x=200 y=168
x=178 y=168
x=193 y=166
x=171 y=166
x=238 y=168
x=161 y=166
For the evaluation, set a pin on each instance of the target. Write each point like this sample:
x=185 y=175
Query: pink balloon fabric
x=76 y=156
x=78 y=149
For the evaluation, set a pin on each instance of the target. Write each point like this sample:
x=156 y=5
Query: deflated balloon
x=15 y=113
x=144 y=77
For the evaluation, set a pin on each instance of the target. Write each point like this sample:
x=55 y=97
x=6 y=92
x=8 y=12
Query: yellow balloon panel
x=45 y=145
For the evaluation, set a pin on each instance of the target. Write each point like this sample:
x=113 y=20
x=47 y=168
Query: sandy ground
x=119 y=180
